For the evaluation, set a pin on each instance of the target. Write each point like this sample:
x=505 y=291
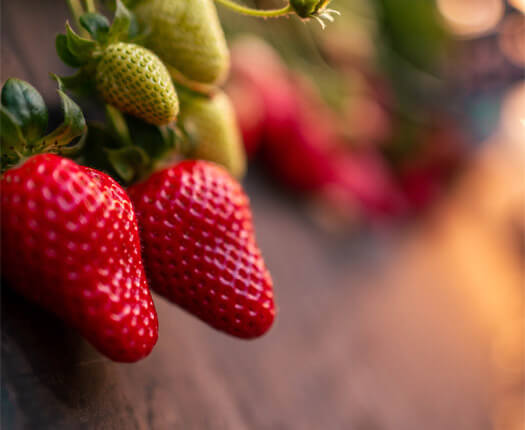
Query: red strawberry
x=299 y=133
x=70 y=243
x=199 y=247
x=365 y=179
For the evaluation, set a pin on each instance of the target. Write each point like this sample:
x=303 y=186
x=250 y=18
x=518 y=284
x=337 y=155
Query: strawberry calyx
x=129 y=149
x=24 y=118
x=84 y=52
x=113 y=65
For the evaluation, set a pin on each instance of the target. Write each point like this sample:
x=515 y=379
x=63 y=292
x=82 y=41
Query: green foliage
x=24 y=121
x=96 y=25
x=80 y=47
x=122 y=23
x=26 y=107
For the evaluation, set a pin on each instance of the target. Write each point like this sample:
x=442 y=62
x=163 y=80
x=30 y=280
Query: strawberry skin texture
x=70 y=243
x=135 y=81
x=199 y=247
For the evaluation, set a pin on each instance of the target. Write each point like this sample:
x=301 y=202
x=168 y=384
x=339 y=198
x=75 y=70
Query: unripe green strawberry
x=211 y=123
x=187 y=36
x=134 y=80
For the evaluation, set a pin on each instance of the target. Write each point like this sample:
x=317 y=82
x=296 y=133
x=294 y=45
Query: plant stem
x=262 y=13
x=75 y=6
x=90 y=6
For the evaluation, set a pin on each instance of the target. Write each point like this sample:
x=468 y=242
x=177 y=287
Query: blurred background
x=387 y=157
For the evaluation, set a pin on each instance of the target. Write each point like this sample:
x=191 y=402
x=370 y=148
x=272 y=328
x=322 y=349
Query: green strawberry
x=134 y=80
x=187 y=36
x=212 y=125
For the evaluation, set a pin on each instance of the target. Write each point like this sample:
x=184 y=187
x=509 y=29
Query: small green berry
x=135 y=81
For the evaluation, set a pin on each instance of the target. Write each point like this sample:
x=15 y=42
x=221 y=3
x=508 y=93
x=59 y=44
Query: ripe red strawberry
x=199 y=247
x=70 y=243
x=297 y=132
x=298 y=135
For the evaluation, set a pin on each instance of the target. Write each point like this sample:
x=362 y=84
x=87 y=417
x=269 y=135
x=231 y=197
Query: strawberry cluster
x=95 y=215
x=358 y=162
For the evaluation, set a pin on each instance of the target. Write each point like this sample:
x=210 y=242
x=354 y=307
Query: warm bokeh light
x=509 y=414
x=512 y=39
x=469 y=18
x=518 y=4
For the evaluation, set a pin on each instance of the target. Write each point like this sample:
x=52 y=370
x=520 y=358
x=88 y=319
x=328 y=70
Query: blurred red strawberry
x=260 y=89
x=295 y=132
x=425 y=173
x=367 y=180
x=299 y=136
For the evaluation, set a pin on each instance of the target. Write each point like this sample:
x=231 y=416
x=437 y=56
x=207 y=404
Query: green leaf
x=178 y=140
x=149 y=137
x=96 y=25
x=80 y=47
x=400 y=20
x=73 y=126
x=64 y=53
x=27 y=108
x=10 y=131
x=128 y=162
x=120 y=27
x=117 y=124
x=12 y=142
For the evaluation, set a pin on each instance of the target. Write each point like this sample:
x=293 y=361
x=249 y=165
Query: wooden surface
x=415 y=330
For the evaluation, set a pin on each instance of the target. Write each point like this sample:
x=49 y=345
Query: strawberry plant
x=73 y=240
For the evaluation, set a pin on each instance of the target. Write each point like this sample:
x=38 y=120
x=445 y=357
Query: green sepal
x=26 y=107
x=96 y=25
x=177 y=136
x=308 y=8
x=12 y=143
x=122 y=24
x=64 y=53
x=118 y=126
x=80 y=47
x=128 y=161
x=10 y=133
x=73 y=126
x=82 y=82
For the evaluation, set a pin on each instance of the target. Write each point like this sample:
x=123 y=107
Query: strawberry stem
x=90 y=6
x=77 y=10
x=262 y=13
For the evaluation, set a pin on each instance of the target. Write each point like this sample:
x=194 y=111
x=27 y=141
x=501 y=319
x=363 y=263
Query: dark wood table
x=416 y=329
